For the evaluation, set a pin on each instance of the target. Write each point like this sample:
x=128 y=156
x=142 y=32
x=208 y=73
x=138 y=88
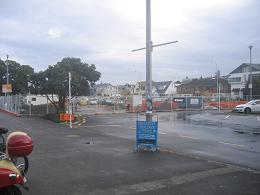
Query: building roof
x=162 y=86
x=255 y=67
x=209 y=82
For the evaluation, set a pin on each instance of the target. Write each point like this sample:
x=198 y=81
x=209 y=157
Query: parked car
x=93 y=102
x=83 y=102
x=252 y=106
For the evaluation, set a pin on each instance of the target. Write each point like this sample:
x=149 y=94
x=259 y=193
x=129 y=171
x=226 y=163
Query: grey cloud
x=91 y=31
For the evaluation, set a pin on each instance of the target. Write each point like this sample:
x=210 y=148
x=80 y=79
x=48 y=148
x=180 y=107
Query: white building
x=39 y=99
x=162 y=88
x=105 y=89
x=140 y=88
x=239 y=77
x=166 y=88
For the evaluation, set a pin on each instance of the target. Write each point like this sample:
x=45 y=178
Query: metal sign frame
x=146 y=135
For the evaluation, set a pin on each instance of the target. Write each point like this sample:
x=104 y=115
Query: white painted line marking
x=258 y=118
x=227 y=116
x=108 y=125
x=154 y=185
x=93 y=126
x=227 y=143
x=189 y=137
x=163 y=133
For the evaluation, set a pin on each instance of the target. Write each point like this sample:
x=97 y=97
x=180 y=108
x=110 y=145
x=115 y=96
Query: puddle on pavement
x=247 y=132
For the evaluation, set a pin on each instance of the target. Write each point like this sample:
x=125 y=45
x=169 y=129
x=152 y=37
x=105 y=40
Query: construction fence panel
x=11 y=103
x=171 y=103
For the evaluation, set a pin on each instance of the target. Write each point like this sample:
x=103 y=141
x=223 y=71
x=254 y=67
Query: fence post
x=171 y=103
x=186 y=102
x=47 y=108
x=9 y=103
x=19 y=104
x=15 y=103
x=202 y=102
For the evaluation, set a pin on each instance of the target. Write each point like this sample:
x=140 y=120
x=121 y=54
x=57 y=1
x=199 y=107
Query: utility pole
x=250 y=85
x=7 y=69
x=7 y=81
x=218 y=86
x=149 y=48
x=70 y=110
x=30 y=103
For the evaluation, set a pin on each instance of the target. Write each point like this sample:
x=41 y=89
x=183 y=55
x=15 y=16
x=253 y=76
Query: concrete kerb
x=76 y=123
x=10 y=113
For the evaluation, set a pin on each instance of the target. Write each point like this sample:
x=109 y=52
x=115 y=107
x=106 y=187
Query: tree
x=18 y=76
x=54 y=80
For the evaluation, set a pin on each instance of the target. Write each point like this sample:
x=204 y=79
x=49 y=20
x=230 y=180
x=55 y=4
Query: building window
x=234 y=79
x=245 y=69
x=236 y=92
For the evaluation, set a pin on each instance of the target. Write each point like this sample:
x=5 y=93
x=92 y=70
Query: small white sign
x=194 y=101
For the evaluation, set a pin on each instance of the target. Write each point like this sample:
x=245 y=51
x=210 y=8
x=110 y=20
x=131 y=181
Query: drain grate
x=88 y=142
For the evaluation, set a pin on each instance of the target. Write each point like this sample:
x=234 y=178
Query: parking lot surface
x=97 y=157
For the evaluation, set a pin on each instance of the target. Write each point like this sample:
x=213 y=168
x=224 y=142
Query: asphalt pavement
x=97 y=157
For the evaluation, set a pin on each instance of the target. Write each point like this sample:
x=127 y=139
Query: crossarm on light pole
x=167 y=43
x=143 y=48
x=157 y=45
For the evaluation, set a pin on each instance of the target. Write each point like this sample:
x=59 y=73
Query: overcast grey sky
x=103 y=32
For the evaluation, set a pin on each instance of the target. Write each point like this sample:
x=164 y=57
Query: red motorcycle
x=13 y=161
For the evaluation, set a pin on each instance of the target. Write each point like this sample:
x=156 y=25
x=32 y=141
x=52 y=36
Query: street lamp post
x=7 y=81
x=7 y=69
x=70 y=108
x=148 y=62
x=149 y=48
x=250 y=85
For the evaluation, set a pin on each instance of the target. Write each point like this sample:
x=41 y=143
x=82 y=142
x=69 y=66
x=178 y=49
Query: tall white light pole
x=250 y=85
x=149 y=44
x=70 y=109
x=7 y=79
x=149 y=48
x=7 y=69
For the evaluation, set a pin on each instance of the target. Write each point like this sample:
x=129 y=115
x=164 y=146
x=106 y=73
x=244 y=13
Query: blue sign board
x=146 y=135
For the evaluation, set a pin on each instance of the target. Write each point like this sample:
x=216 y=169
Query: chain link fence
x=11 y=103
x=172 y=103
x=18 y=104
